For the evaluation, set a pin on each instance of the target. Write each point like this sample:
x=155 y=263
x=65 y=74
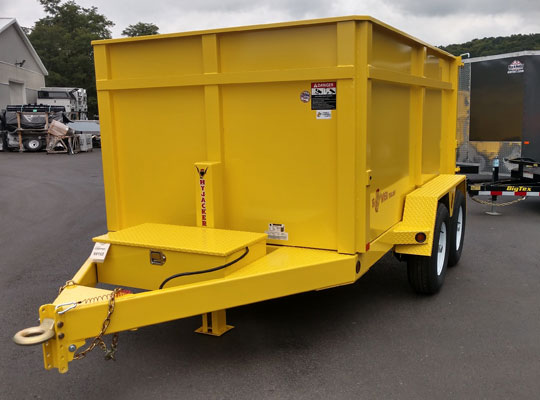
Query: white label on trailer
x=516 y=67
x=277 y=232
x=324 y=114
x=100 y=252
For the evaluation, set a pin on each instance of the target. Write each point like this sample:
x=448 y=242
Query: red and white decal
x=500 y=193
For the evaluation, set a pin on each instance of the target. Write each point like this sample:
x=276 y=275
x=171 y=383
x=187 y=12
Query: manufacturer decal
x=99 y=252
x=518 y=189
x=323 y=95
x=516 y=67
x=202 y=184
x=277 y=232
x=381 y=197
x=324 y=114
x=305 y=96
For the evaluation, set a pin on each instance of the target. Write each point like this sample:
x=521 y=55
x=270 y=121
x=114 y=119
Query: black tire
x=423 y=272
x=457 y=229
x=33 y=144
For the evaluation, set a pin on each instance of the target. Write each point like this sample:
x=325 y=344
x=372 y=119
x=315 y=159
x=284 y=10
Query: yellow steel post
x=363 y=106
x=346 y=132
x=449 y=115
x=418 y=59
x=209 y=206
x=113 y=192
x=214 y=323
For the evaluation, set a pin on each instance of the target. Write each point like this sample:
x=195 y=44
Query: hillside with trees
x=495 y=45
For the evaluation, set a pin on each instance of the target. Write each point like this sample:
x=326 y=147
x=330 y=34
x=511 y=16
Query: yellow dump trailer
x=286 y=158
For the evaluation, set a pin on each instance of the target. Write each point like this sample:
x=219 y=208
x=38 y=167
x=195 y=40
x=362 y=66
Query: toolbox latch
x=157 y=257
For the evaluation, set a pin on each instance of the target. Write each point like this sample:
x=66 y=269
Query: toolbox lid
x=188 y=239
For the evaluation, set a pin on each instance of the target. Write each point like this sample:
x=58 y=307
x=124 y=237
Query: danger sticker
x=323 y=95
x=277 y=232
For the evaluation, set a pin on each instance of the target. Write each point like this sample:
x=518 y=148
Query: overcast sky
x=438 y=22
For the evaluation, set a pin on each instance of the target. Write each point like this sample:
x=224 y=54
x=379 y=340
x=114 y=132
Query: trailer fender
x=419 y=214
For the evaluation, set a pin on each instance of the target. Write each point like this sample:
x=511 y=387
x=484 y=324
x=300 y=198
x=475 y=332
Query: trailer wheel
x=426 y=273
x=33 y=145
x=457 y=229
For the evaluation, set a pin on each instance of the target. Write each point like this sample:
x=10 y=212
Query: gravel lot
x=479 y=338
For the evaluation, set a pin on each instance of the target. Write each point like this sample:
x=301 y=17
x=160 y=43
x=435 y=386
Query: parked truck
x=304 y=152
x=73 y=99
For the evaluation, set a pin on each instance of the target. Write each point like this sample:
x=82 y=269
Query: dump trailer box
x=291 y=157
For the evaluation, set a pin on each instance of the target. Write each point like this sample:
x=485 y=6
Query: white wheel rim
x=459 y=227
x=441 y=249
x=33 y=144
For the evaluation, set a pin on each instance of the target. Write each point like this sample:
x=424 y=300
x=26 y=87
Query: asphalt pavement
x=376 y=339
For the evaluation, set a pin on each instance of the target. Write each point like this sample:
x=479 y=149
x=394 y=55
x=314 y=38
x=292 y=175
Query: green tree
x=62 y=40
x=496 y=45
x=141 y=29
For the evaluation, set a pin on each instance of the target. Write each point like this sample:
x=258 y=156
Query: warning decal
x=323 y=95
x=516 y=67
x=277 y=232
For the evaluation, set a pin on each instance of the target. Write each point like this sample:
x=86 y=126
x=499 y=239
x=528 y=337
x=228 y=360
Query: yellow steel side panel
x=131 y=267
x=280 y=163
x=288 y=48
x=432 y=66
x=236 y=99
x=171 y=57
x=158 y=136
x=431 y=143
x=309 y=22
x=390 y=51
x=388 y=155
x=188 y=239
x=421 y=208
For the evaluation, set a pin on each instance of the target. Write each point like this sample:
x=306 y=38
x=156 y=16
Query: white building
x=22 y=73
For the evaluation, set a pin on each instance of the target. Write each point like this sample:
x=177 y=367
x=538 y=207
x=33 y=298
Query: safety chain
x=65 y=285
x=98 y=340
x=492 y=203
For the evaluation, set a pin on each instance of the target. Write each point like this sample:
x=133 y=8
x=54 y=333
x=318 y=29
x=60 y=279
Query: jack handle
x=36 y=334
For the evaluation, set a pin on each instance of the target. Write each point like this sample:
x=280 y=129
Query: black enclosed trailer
x=499 y=110
x=499 y=123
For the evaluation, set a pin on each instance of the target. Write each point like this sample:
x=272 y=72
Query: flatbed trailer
x=305 y=152
x=523 y=182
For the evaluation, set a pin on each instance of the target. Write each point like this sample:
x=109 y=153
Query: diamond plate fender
x=420 y=211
